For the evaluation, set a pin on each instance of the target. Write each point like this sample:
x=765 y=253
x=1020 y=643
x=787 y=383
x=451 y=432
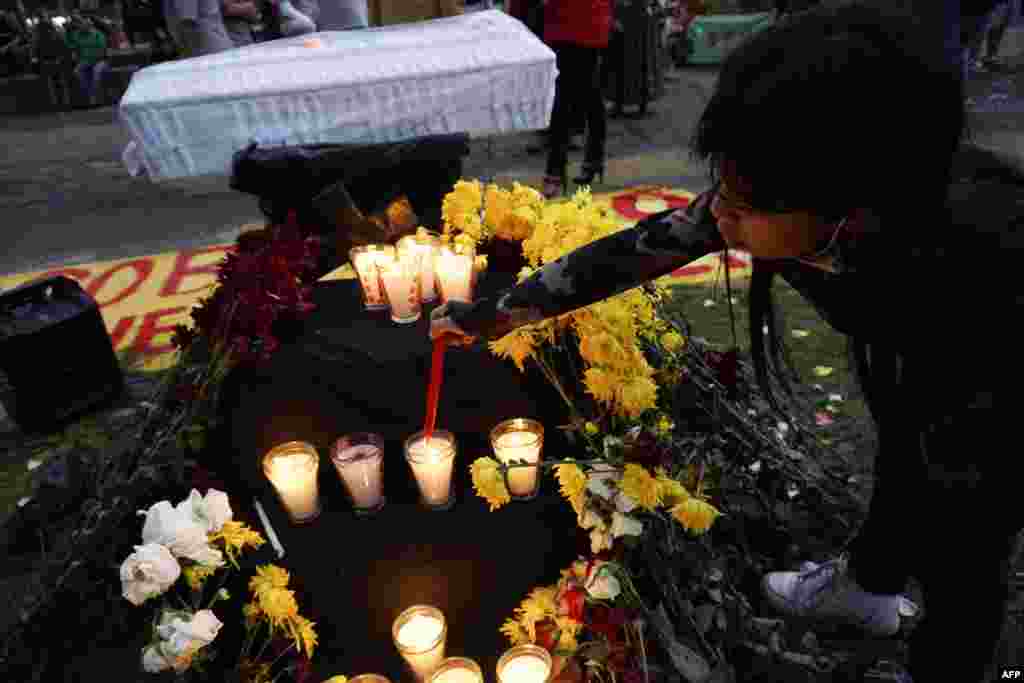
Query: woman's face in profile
x=765 y=234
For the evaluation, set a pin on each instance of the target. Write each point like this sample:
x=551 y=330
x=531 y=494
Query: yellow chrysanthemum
x=600 y=384
x=539 y=605
x=268 y=577
x=302 y=632
x=695 y=514
x=481 y=262
x=517 y=345
x=197 y=574
x=465 y=198
x=601 y=348
x=572 y=483
x=279 y=605
x=672 y=342
x=637 y=395
x=665 y=425
x=515 y=632
x=488 y=482
x=497 y=206
x=236 y=537
x=638 y=484
x=568 y=632
x=526 y=196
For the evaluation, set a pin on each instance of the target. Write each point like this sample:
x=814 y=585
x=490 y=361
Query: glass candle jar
x=426 y=245
x=455 y=268
x=359 y=459
x=458 y=670
x=431 y=463
x=364 y=261
x=419 y=634
x=519 y=439
x=400 y=280
x=292 y=468
x=525 y=664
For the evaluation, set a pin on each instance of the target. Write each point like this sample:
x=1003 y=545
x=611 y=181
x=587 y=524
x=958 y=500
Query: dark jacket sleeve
x=656 y=246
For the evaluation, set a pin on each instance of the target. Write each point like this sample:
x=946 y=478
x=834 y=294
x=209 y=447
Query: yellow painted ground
x=143 y=298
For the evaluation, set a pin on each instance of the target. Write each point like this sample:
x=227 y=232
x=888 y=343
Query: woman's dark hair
x=841 y=107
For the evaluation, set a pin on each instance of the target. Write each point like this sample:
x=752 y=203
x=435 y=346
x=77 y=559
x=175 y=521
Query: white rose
x=601 y=583
x=599 y=480
x=210 y=511
x=148 y=572
x=177 y=529
x=153 y=661
x=183 y=635
x=625 y=526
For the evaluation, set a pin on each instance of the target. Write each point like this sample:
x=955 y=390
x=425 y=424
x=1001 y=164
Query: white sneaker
x=825 y=594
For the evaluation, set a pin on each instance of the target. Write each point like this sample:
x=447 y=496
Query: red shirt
x=587 y=23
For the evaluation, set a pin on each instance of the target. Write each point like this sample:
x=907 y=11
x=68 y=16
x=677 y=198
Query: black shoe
x=588 y=172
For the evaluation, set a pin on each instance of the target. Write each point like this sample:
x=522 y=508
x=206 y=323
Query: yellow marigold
x=572 y=484
x=268 y=577
x=488 y=482
x=665 y=425
x=302 y=632
x=601 y=348
x=517 y=345
x=672 y=341
x=279 y=605
x=466 y=197
x=637 y=395
x=695 y=514
x=515 y=632
x=516 y=226
x=526 y=196
x=237 y=536
x=497 y=206
x=638 y=484
x=600 y=384
x=197 y=574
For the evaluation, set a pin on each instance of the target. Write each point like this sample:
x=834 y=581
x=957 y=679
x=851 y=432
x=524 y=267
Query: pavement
x=67 y=198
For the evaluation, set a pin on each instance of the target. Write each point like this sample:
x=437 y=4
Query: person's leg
x=561 y=121
x=593 y=103
x=999 y=21
x=99 y=71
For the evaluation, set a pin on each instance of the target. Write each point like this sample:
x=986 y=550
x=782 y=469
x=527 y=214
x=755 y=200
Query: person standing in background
x=89 y=49
x=578 y=31
x=54 y=61
x=239 y=17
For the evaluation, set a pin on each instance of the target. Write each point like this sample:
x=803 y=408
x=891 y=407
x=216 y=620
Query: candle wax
x=519 y=446
x=455 y=273
x=399 y=281
x=418 y=634
x=525 y=669
x=362 y=476
x=432 y=463
x=458 y=674
x=295 y=481
x=366 y=268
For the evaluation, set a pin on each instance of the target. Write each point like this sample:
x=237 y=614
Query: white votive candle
x=424 y=245
x=292 y=469
x=458 y=670
x=455 y=274
x=359 y=459
x=364 y=261
x=419 y=634
x=524 y=664
x=400 y=278
x=519 y=439
x=431 y=463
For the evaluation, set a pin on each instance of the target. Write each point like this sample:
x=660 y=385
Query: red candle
x=434 y=387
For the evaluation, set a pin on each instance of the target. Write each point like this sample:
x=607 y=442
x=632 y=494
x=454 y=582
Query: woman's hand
x=442 y=324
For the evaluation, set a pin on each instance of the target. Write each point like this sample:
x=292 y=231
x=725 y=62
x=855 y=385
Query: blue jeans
x=90 y=79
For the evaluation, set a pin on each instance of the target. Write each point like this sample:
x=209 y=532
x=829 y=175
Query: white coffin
x=482 y=73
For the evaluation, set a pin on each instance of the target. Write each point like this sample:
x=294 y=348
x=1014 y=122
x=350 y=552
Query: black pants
x=956 y=540
x=576 y=90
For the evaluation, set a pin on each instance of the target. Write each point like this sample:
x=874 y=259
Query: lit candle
x=364 y=260
x=400 y=277
x=458 y=670
x=519 y=439
x=455 y=273
x=292 y=469
x=431 y=463
x=359 y=458
x=419 y=634
x=425 y=244
x=524 y=664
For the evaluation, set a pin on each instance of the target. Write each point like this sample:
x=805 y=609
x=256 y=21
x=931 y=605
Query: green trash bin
x=714 y=36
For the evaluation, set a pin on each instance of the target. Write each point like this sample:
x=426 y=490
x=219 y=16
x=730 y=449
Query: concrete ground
x=67 y=199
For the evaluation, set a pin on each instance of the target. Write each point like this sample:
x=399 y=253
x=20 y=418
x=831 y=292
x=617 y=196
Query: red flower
x=571 y=601
x=546 y=634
